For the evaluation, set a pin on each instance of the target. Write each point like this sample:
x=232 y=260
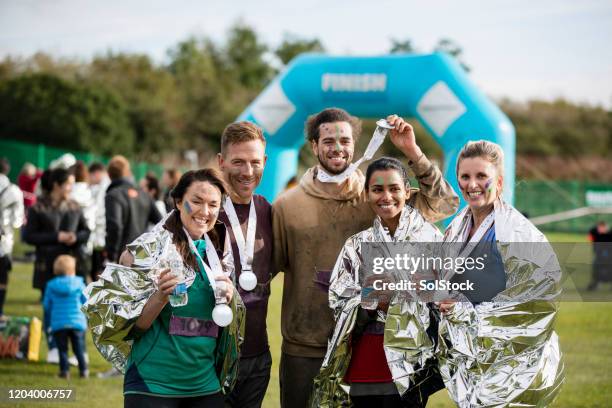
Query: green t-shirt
x=173 y=365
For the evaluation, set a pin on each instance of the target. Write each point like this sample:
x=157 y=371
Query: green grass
x=585 y=330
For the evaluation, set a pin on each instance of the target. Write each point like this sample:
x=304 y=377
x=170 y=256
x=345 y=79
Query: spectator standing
x=27 y=180
x=11 y=217
x=128 y=209
x=56 y=226
x=62 y=303
x=601 y=237
x=150 y=185
x=98 y=183
x=81 y=193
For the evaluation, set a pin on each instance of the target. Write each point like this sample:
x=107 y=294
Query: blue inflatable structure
x=432 y=88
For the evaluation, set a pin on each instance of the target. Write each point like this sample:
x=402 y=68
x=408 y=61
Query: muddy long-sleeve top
x=116 y=300
x=311 y=222
x=505 y=352
x=345 y=300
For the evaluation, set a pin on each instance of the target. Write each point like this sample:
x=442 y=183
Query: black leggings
x=150 y=401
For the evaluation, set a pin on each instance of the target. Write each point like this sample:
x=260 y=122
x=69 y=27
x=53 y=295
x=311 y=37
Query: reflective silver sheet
x=505 y=352
x=406 y=347
x=115 y=301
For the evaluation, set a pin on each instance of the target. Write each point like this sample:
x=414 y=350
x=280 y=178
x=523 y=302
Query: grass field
x=585 y=330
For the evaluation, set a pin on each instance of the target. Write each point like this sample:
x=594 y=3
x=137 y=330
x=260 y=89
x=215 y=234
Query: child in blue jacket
x=62 y=302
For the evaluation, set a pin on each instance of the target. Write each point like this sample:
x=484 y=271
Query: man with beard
x=311 y=223
x=248 y=218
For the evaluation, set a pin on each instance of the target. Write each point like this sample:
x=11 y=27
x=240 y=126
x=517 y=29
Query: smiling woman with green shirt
x=179 y=356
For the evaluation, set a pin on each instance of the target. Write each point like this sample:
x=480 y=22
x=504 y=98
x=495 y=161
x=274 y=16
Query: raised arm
x=435 y=198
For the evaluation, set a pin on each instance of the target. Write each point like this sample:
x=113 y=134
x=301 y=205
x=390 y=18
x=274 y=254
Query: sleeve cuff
x=420 y=166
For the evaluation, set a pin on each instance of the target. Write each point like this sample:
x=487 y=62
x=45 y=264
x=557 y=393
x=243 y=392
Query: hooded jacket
x=311 y=223
x=63 y=300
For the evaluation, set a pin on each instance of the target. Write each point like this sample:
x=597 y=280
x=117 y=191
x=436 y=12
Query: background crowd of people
x=63 y=210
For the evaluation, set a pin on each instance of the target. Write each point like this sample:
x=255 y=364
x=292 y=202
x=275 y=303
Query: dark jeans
x=150 y=401
x=5 y=267
x=252 y=383
x=77 y=338
x=379 y=401
x=296 y=376
x=97 y=264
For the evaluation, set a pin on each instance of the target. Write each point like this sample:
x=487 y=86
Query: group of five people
x=335 y=350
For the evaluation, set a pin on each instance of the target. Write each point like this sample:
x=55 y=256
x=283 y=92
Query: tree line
x=130 y=104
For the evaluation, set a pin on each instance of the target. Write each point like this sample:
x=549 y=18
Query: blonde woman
x=497 y=343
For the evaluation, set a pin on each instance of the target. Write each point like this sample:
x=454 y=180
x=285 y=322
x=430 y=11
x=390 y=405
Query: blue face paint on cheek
x=187 y=207
x=489 y=186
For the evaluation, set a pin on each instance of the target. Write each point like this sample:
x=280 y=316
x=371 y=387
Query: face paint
x=338 y=131
x=187 y=207
x=335 y=147
x=386 y=196
x=479 y=182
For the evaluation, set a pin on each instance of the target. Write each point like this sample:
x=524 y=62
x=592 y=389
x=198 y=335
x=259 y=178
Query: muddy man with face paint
x=248 y=218
x=311 y=223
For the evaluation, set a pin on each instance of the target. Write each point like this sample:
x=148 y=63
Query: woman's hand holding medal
x=225 y=287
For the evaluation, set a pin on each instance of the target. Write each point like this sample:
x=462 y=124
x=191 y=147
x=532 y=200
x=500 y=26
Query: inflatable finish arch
x=433 y=88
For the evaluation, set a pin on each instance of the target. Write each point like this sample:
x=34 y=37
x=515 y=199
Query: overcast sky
x=517 y=48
